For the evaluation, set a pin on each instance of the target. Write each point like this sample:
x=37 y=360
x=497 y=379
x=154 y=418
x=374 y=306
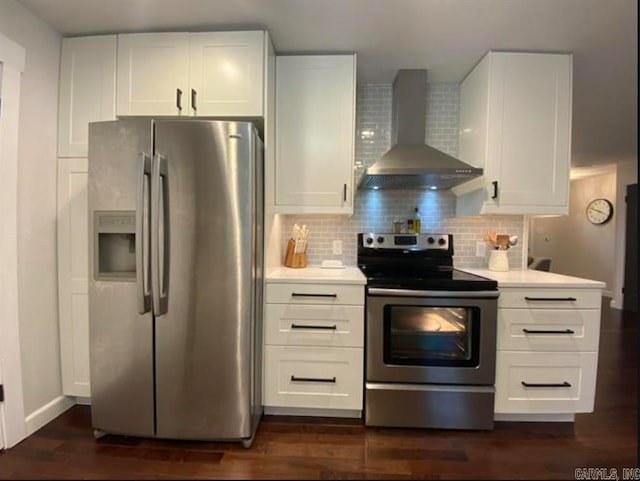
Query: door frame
x=12 y=419
x=632 y=211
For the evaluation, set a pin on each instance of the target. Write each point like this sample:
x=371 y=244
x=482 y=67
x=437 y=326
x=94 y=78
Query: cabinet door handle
x=303 y=294
x=543 y=331
x=193 y=99
x=561 y=384
x=313 y=379
x=304 y=326
x=495 y=189
x=344 y=193
x=179 y=99
x=567 y=299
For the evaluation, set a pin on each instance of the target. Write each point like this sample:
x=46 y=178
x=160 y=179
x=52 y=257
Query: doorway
x=630 y=289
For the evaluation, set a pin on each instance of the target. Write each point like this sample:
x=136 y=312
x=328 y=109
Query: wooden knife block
x=292 y=259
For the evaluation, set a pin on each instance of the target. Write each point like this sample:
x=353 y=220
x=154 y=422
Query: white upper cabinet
x=226 y=72
x=87 y=90
x=515 y=123
x=153 y=74
x=315 y=134
x=217 y=74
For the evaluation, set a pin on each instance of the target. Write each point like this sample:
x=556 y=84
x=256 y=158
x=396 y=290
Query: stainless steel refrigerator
x=175 y=291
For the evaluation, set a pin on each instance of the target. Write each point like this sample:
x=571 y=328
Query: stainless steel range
x=430 y=335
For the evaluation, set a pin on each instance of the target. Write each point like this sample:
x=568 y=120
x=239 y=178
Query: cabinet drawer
x=548 y=329
x=315 y=294
x=552 y=298
x=314 y=325
x=314 y=377
x=557 y=382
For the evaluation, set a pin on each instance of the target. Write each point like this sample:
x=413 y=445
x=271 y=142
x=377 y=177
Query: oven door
x=440 y=337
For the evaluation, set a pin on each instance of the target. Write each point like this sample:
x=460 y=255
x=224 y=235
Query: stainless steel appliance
x=430 y=335
x=410 y=163
x=176 y=212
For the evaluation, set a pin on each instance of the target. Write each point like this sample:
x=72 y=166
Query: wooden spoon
x=503 y=241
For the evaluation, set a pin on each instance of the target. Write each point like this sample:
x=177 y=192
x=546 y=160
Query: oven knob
x=431 y=240
x=380 y=240
x=369 y=240
x=441 y=241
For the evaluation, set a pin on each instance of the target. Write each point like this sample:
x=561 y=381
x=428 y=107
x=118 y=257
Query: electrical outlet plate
x=481 y=249
x=337 y=247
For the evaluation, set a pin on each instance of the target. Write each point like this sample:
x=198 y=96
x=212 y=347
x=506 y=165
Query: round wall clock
x=599 y=211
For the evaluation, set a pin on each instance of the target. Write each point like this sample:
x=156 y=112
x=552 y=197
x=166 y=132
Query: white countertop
x=316 y=275
x=533 y=278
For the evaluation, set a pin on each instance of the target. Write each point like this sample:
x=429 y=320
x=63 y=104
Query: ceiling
x=447 y=37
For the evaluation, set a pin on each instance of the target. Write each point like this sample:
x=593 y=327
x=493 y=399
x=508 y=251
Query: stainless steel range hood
x=411 y=164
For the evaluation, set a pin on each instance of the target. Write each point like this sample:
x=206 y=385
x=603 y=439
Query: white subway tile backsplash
x=376 y=210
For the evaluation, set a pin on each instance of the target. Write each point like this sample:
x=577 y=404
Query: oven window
x=431 y=336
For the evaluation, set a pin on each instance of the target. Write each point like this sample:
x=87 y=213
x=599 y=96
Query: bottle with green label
x=416 y=221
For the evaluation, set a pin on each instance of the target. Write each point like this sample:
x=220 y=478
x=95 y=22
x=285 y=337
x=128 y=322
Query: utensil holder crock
x=498 y=260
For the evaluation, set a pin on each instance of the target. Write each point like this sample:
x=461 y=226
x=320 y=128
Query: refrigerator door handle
x=160 y=250
x=142 y=235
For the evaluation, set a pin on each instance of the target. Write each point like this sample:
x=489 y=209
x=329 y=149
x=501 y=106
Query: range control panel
x=406 y=241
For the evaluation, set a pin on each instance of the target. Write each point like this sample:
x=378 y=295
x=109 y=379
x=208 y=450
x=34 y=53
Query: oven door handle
x=377 y=291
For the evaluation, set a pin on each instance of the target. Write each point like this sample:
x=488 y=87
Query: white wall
x=37 y=262
x=626 y=174
x=575 y=246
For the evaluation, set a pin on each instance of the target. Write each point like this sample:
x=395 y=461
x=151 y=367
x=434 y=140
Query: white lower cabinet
x=314 y=356
x=328 y=294
x=547 y=351
x=314 y=377
x=314 y=325
x=543 y=382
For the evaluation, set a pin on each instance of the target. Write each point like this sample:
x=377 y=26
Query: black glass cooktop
x=453 y=280
x=426 y=265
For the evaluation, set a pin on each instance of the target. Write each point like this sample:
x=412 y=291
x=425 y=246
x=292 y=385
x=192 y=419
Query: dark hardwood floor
x=310 y=448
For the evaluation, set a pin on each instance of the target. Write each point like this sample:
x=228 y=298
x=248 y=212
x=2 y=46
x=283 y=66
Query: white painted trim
x=526 y=227
x=539 y=418
x=47 y=413
x=626 y=174
x=332 y=413
x=12 y=420
x=83 y=401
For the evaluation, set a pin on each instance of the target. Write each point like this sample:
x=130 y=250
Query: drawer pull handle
x=302 y=326
x=304 y=294
x=569 y=299
x=179 y=99
x=544 y=331
x=562 y=384
x=313 y=379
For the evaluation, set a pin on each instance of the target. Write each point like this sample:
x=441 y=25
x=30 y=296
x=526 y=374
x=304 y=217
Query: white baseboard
x=83 y=401
x=47 y=413
x=615 y=305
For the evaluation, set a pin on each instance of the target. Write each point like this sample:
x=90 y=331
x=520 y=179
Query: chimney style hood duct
x=411 y=164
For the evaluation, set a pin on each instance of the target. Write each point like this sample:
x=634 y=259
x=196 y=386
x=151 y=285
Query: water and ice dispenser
x=114 y=241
